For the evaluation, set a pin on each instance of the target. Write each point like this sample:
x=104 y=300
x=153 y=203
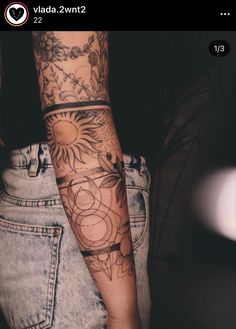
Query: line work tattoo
x=94 y=198
x=62 y=82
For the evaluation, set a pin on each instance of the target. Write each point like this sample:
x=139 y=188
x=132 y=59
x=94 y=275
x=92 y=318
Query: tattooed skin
x=94 y=197
x=60 y=81
x=84 y=147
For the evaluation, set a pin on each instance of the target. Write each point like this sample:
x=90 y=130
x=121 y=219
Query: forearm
x=92 y=187
x=88 y=160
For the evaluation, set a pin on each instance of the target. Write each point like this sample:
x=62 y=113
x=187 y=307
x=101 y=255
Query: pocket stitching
x=52 y=280
x=37 y=229
x=139 y=187
x=56 y=235
x=146 y=221
x=30 y=202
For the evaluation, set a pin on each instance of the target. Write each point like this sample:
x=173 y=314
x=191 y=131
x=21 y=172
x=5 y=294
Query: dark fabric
x=187 y=260
x=137 y=69
x=21 y=117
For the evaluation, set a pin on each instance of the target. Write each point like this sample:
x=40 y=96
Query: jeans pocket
x=138 y=214
x=29 y=256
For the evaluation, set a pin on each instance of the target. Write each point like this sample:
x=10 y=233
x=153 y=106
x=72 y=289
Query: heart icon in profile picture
x=16 y=14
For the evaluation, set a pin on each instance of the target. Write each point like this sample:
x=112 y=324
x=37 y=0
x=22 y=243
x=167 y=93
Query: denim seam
x=140 y=240
x=140 y=219
x=137 y=187
x=56 y=274
x=52 y=278
x=30 y=203
x=26 y=167
x=27 y=228
x=140 y=215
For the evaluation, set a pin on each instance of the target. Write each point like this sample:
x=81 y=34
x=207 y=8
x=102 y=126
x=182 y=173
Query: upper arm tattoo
x=62 y=82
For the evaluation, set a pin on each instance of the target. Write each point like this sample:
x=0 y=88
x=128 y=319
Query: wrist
x=125 y=323
x=126 y=311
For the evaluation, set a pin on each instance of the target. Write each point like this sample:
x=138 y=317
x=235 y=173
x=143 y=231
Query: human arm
x=73 y=78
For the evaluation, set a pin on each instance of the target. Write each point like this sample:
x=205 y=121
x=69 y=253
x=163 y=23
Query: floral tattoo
x=61 y=85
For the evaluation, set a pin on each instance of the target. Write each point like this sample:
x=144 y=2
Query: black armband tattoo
x=84 y=104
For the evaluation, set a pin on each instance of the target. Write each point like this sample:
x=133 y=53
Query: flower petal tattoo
x=62 y=85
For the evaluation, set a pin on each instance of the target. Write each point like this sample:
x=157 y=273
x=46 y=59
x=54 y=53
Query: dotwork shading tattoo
x=94 y=196
x=65 y=83
x=77 y=139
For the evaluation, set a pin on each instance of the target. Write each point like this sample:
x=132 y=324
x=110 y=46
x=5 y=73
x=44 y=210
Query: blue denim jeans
x=44 y=282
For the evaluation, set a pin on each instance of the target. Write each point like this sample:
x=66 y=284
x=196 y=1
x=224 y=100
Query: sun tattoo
x=70 y=136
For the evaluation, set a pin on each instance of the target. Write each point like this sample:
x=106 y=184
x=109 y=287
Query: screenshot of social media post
x=117 y=166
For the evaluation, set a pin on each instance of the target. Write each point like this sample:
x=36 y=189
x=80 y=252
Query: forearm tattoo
x=85 y=149
x=59 y=83
x=94 y=197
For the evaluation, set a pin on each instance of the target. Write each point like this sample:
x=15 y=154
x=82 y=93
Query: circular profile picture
x=16 y=14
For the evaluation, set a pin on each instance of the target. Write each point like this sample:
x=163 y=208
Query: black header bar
x=113 y=15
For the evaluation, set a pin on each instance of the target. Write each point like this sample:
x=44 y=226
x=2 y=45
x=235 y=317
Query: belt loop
x=34 y=161
x=142 y=165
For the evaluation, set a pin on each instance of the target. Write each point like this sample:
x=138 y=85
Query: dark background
x=149 y=71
